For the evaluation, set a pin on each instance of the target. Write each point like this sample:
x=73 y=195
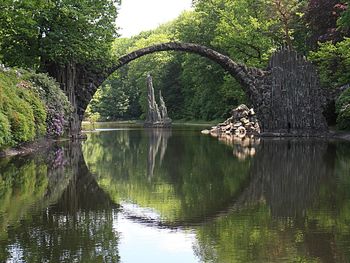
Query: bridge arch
x=240 y=72
x=244 y=75
x=286 y=95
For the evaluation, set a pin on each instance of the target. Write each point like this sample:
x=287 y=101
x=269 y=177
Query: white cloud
x=140 y=15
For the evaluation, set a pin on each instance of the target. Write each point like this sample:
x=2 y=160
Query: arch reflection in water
x=288 y=203
x=282 y=205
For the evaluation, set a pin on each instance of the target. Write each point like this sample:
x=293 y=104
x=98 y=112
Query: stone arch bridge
x=286 y=95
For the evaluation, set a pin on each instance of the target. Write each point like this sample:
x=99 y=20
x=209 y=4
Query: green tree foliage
x=112 y=103
x=343 y=110
x=35 y=32
x=333 y=62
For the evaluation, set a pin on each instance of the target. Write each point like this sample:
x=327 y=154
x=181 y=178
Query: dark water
x=177 y=196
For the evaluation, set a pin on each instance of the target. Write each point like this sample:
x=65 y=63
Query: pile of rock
x=243 y=122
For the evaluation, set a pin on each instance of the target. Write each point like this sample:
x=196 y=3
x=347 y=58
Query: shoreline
x=28 y=148
x=44 y=143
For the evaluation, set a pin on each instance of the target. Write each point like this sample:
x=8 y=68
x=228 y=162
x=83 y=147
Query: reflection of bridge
x=83 y=193
x=286 y=95
x=284 y=174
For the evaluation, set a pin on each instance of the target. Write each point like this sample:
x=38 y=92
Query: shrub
x=22 y=113
x=58 y=108
x=343 y=99
x=22 y=125
x=5 y=130
x=16 y=110
x=333 y=62
x=31 y=105
x=343 y=110
x=343 y=120
x=38 y=108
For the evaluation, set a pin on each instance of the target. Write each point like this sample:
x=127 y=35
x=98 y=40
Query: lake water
x=134 y=195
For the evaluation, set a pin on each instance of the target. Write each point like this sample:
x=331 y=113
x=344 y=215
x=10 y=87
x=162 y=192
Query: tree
x=286 y=12
x=333 y=63
x=110 y=101
x=344 y=20
x=322 y=16
x=37 y=32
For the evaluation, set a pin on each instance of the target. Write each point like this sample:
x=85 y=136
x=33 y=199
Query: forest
x=49 y=37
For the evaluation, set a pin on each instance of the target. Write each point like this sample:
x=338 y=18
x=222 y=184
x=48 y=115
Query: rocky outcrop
x=157 y=117
x=163 y=109
x=242 y=123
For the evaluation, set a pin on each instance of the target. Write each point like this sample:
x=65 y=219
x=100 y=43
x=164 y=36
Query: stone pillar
x=157 y=117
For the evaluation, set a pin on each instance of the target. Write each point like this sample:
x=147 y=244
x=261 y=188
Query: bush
x=16 y=110
x=343 y=120
x=58 y=108
x=31 y=105
x=5 y=130
x=36 y=104
x=343 y=110
x=333 y=62
x=22 y=123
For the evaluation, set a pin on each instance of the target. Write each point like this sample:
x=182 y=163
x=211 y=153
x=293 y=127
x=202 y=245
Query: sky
x=140 y=15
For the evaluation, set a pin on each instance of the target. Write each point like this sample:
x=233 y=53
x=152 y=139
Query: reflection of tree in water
x=289 y=212
x=76 y=227
x=158 y=140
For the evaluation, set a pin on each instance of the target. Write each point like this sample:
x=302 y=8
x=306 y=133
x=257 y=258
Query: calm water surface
x=133 y=195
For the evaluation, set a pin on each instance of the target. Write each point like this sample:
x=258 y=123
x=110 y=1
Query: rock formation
x=242 y=123
x=157 y=117
x=163 y=110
